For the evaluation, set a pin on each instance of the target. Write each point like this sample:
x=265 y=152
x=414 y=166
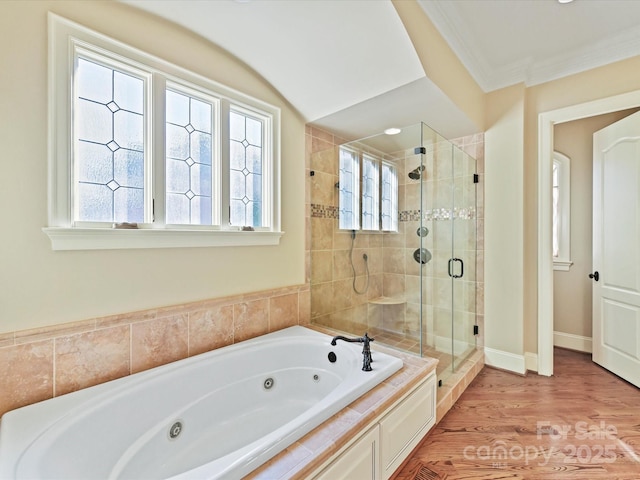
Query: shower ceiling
x=349 y=66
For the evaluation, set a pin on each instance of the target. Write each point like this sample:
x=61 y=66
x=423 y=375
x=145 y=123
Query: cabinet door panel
x=358 y=462
x=404 y=427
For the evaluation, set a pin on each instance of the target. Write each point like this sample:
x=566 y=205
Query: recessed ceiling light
x=565 y=1
x=392 y=131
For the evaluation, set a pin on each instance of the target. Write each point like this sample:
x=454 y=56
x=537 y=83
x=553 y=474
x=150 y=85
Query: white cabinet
x=359 y=462
x=403 y=428
x=388 y=441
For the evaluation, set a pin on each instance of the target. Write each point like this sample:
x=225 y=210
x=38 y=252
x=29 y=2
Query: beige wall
x=41 y=287
x=572 y=289
x=615 y=79
x=503 y=222
x=511 y=197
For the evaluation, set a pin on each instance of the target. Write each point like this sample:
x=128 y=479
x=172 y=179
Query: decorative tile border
x=324 y=211
x=462 y=213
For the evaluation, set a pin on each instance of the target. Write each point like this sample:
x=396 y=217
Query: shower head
x=416 y=173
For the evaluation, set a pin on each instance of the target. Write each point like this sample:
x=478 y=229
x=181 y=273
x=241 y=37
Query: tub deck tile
x=302 y=458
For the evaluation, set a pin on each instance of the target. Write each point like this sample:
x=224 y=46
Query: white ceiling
x=349 y=65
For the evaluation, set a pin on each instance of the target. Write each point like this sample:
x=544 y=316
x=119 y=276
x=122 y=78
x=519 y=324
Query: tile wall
x=43 y=363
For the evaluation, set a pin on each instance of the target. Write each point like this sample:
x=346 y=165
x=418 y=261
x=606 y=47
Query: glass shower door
x=462 y=266
x=437 y=205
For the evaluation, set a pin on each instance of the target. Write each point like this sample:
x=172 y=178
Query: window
x=389 y=200
x=349 y=190
x=368 y=192
x=561 y=212
x=140 y=143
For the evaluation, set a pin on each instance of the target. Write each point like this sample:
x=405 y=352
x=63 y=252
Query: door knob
x=595 y=276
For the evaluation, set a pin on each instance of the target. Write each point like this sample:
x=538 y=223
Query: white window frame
x=358 y=158
x=64 y=37
x=562 y=261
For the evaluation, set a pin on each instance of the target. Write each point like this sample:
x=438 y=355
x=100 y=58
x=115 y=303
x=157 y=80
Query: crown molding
x=528 y=70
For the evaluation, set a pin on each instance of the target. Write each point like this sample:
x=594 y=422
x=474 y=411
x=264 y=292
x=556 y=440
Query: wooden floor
x=582 y=423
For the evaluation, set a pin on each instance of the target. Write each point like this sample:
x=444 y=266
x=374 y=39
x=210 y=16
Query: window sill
x=63 y=238
x=562 y=265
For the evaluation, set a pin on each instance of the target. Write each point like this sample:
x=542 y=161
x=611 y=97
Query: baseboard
x=572 y=342
x=531 y=361
x=504 y=360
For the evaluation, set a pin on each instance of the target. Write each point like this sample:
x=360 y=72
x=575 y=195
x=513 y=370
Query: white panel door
x=616 y=248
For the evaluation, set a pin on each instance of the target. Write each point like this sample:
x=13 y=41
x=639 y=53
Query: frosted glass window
x=389 y=198
x=348 y=190
x=109 y=143
x=561 y=211
x=136 y=139
x=370 y=193
x=189 y=159
x=245 y=166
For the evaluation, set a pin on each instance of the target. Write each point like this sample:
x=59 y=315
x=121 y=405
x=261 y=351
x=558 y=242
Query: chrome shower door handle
x=450 y=268
x=461 y=267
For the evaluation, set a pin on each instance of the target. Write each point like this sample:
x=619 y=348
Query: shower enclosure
x=393 y=243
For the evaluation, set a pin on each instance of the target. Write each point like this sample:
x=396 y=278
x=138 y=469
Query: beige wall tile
x=91 y=358
x=322 y=233
x=26 y=375
x=304 y=307
x=251 y=319
x=7 y=339
x=45 y=333
x=394 y=260
x=342 y=265
x=325 y=161
x=321 y=299
x=283 y=311
x=159 y=341
x=321 y=266
x=342 y=296
x=210 y=329
x=323 y=191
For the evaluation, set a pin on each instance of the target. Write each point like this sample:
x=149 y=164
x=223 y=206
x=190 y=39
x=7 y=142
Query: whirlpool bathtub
x=216 y=415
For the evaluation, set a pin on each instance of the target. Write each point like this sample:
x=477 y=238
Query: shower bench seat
x=388 y=300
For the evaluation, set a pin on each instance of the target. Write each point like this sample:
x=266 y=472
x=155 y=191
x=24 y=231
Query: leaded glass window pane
x=109 y=143
x=348 y=201
x=389 y=198
x=189 y=159
x=246 y=147
x=370 y=194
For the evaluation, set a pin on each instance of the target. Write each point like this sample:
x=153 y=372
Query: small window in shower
x=367 y=192
x=370 y=193
x=348 y=188
x=389 y=200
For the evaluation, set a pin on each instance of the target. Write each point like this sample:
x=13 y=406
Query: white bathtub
x=229 y=421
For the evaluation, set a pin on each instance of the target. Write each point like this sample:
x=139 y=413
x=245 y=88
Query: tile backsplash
x=42 y=363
